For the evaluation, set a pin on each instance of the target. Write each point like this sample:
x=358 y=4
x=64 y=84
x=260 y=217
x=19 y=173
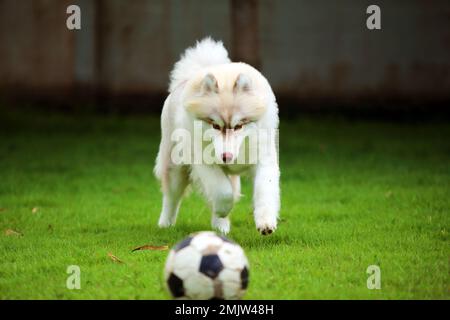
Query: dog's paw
x=266 y=223
x=165 y=223
x=266 y=231
x=221 y=224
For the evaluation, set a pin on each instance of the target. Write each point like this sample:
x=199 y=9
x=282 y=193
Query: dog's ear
x=209 y=84
x=243 y=83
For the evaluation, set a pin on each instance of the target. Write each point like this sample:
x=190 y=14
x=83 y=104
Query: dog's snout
x=227 y=157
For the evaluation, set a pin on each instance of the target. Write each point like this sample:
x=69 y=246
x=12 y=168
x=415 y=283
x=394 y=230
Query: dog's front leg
x=174 y=185
x=217 y=188
x=266 y=197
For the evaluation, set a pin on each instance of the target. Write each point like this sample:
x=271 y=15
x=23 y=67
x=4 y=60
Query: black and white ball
x=206 y=266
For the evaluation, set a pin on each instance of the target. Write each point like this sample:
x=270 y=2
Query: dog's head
x=228 y=104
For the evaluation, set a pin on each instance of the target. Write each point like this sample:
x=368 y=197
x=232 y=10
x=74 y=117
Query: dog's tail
x=206 y=52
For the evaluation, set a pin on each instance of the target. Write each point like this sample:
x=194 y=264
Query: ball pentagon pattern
x=205 y=265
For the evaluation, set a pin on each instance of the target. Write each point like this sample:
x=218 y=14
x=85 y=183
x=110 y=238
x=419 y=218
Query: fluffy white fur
x=207 y=86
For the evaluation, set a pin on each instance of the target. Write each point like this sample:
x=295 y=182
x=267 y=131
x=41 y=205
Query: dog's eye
x=216 y=126
x=238 y=126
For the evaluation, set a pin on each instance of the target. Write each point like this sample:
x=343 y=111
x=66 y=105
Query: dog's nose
x=227 y=157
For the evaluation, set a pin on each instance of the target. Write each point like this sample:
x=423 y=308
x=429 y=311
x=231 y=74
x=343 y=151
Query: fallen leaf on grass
x=114 y=258
x=150 y=247
x=11 y=232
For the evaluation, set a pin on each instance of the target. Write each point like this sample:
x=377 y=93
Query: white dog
x=230 y=101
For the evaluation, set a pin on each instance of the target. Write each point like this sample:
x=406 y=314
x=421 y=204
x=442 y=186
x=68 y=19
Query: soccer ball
x=206 y=266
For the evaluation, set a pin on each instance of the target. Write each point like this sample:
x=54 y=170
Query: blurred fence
x=309 y=50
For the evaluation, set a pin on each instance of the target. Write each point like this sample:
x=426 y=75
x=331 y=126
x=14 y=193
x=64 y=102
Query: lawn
x=354 y=194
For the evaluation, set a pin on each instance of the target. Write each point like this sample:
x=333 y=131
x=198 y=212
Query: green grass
x=354 y=194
